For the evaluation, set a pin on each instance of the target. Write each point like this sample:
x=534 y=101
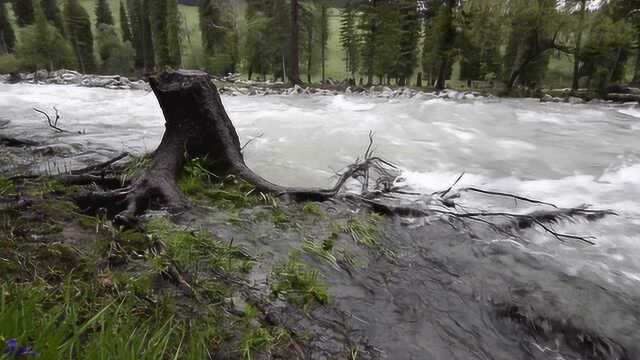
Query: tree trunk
x=309 y=52
x=636 y=73
x=295 y=53
x=197 y=126
x=440 y=82
x=324 y=41
x=576 y=58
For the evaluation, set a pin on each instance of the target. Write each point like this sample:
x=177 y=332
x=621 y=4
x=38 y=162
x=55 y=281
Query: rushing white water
x=561 y=153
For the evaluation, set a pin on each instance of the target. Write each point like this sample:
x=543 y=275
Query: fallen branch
x=52 y=123
x=517 y=221
x=101 y=166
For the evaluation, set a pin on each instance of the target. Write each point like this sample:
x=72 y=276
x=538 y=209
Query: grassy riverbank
x=74 y=285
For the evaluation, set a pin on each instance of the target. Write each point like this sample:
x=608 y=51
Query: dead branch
x=52 y=123
x=516 y=197
x=101 y=166
x=250 y=141
x=516 y=221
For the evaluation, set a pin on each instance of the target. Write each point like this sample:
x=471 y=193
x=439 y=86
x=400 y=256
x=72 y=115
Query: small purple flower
x=18 y=352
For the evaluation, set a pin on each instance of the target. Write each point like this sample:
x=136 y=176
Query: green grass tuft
x=299 y=284
x=7 y=188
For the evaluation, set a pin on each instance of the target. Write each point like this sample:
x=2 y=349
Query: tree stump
x=197 y=126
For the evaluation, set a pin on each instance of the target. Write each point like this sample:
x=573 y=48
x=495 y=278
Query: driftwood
x=197 y=126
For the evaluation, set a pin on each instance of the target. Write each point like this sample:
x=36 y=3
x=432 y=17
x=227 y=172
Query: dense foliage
x=519 y=43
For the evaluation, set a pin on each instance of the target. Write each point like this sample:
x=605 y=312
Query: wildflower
x=17 y=352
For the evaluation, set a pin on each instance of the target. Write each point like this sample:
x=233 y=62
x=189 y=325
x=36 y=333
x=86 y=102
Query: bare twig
x=444 y=193
x=517 y=197
x=52 y=123
x=250 y=141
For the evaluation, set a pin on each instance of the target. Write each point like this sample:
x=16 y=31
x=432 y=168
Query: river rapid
x=561 y=153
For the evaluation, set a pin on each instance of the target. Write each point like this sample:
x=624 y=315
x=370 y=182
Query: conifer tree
x=7 y=35
x=219 y=38
x=173 y=33
x=53 y=14
x=257 y=51
x=23 y=9
x=147 y=36
x=480 y=40
x=141 y=33
x=324 y=38
x=103 y=13
x=294 y=76
x=134 y=7
x=116 y=57
x=124 y=24
x=369 y=27
x=349 y=39
x=158 y=17
x=408 y=40
x=388 y=41
x=42 y=45
x=78 y=25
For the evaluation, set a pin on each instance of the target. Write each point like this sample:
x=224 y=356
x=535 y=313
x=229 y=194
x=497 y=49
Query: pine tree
x=294 y=76
x=147 y=36
x=7 y=35
x=445 y=39
x=534 y=29
x=349 y=39
x=124 y=24
x=43 y=46
x=141 y=33
x=134 y=7
x=23 y=9
x=158 y=17
x=103 y=13
x=257 y=50
x=324 y=38
x=219 y=37
x=53 y=14
x=78 y=25
x=173 y=34
x=388 y=41
x=408 y=40
x=480 y=40
x=369 y=28
x=116 y=57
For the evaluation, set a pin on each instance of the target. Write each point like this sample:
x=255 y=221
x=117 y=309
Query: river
x=561 y=153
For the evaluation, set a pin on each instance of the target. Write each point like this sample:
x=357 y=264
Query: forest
x=515 y=43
